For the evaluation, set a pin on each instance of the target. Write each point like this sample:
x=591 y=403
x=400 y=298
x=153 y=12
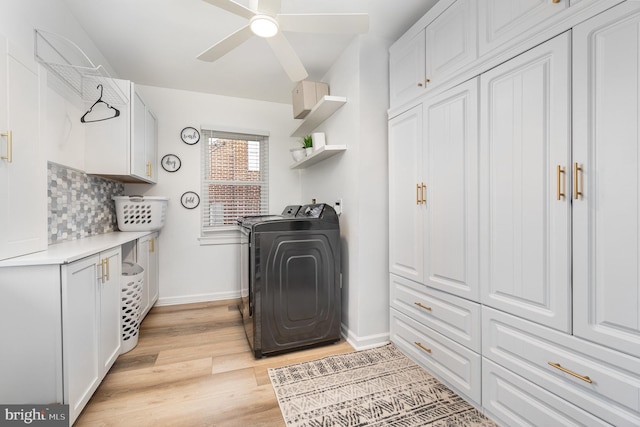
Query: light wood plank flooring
x=193 y=367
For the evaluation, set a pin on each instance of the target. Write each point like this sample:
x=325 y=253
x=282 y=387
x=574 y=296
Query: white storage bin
x=137 y=213
x=131 y=296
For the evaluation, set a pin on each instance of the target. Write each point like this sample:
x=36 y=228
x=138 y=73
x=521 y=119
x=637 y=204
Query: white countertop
x=73 y=250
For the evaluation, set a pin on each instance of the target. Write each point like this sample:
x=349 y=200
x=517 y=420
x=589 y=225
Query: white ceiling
x=155 y=42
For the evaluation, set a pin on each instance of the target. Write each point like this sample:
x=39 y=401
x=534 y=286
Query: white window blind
x=235 y=177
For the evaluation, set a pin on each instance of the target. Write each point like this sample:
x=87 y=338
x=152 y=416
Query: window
x=235 y=178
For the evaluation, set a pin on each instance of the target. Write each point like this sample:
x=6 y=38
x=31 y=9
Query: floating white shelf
x=320 y=112
x=319 y=155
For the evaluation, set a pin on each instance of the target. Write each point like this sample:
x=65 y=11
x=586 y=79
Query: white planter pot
x=298 y=154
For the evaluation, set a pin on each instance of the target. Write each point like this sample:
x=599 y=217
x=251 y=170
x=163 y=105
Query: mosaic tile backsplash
x=79 y=205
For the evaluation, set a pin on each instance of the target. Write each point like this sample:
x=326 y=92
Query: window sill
x=223 y=236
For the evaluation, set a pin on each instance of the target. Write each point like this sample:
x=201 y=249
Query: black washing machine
x=290 y=279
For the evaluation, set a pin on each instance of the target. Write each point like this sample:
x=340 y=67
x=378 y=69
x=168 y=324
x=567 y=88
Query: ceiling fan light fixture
x=264 y=26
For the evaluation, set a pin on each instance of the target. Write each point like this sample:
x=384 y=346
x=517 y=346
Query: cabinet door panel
x=80 y=319
x=143 y=257
x=110 y=319
x=451 y=362
x=451 y=258
x=23 y=192
x=607 y=215
x=150 y=144
x=513 y=401
x=526 y=232
x=406 y=212
x=407 y=70
x=138 y=129
x=451 y=41
x=503 y=20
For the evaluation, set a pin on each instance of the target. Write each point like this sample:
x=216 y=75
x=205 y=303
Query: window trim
x=226 y=234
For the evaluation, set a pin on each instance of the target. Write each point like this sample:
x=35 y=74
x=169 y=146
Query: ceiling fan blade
x=270 y=7
x=338 y=23
x=287 y=57
x=226 y=45
x=233 y=7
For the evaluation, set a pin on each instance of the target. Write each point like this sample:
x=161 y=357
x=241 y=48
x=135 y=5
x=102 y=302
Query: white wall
x=359 y=177
x=62 y=133
x=190 y=272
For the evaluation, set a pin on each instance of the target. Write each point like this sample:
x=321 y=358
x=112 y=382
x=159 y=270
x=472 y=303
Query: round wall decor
x=171 y=163
x=190 y=135
x=190 y=200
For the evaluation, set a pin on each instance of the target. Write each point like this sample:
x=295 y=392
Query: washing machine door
x=299 y=283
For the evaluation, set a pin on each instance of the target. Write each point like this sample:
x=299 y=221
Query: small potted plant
x=307 y=143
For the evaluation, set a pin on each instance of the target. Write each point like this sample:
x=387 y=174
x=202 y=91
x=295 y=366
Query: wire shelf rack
x=69 y=63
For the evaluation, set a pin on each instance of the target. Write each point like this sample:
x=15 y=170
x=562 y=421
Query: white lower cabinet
x=454 y=364
x=147 y=257
x=454 y=317
x=512 y=400
x=64 y=325
x=90 y=324
x=597 y=379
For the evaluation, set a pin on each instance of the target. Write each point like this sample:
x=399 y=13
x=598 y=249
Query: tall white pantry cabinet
x=515 y=215
x=23 y=181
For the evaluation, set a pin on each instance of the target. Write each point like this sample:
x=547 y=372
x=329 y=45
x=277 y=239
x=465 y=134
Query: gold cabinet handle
x=101 y=276
x=562 y=184
x=556 y=1
x=424 y=193
x=149 y=169
x=418 y=198
x=9 y=156
x=577 y=185
x=108 y=269
x=428 y=350
x=426 y=307
x=420 y=85
x=563 y=369
x=152 y=245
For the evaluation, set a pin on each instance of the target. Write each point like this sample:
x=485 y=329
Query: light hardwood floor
x=193 y=367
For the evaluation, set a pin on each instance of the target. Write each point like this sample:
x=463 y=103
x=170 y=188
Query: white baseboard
x=189 y=299
x=364 y=343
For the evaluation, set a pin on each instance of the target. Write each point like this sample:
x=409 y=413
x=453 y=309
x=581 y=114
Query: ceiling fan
x=266 y=21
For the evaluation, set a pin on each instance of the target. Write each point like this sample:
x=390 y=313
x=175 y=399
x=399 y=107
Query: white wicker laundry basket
x=131 y=307
x=138 y=213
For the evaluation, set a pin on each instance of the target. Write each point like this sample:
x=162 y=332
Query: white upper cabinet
x=451 y=41
x=124 y=148
x=503 y=20
x=23 y=181
x=407 y=70
x=606 y=215
x=525 y=221
x=406 y=195
x=451 y=152
x=447 y=44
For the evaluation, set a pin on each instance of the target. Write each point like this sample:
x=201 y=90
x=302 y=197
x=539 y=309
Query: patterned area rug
x=376 y=387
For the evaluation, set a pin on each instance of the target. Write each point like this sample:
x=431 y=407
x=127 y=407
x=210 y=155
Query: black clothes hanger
x=116 y=114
